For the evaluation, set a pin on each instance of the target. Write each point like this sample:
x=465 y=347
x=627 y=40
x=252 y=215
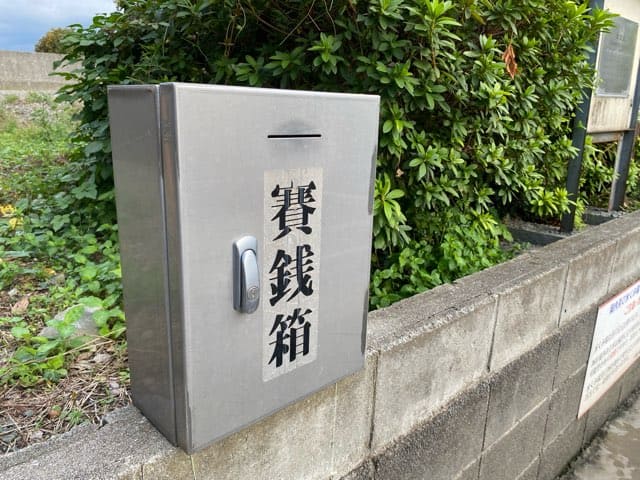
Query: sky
x=24 y=22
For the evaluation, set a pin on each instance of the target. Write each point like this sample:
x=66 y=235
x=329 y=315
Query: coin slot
x=296 y=135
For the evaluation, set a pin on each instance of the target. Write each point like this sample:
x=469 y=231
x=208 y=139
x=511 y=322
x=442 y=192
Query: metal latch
x=246 y=277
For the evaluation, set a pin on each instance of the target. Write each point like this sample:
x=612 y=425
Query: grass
x=58 y=261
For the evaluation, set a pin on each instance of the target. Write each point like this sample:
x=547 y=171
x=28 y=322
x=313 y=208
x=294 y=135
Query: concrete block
x=390 y=326
x=531 y=472
x=500 y=277
x=587 y=280
x=327 y=432
x=597 y=216
x=626 y=268
x=630 y=381
x=513 y=453
x=118 y=450
x=442 y=446
x=529 y=233
x=625 y=223
x=563 y=407
x=471 y=472
x=575 y=344
x=527 y=313
x=353 y=417
x=136 y=474
x=294 y=443
x=170 y=467
x=557 y=455
x=519 y=387
x=81 y=433
x=598 y=414
x=578 y=244
x=434 y=363
x=364 y=471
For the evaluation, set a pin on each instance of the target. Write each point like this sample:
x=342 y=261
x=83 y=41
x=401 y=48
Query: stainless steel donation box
x=245 y=221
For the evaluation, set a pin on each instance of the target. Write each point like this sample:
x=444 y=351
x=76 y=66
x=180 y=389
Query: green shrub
x=477 y=100
x=598 y=174
x=51 y=42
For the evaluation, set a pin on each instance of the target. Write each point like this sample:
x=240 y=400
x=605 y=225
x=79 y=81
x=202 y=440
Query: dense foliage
x=477 y=98
x=598 y=175
x=51 y=42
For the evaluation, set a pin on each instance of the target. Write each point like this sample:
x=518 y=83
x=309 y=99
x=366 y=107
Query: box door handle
x=246 y=276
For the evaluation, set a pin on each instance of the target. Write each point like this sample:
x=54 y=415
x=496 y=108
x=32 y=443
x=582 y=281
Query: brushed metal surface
x=217 y=143
x=246 y=277
x=135 y=133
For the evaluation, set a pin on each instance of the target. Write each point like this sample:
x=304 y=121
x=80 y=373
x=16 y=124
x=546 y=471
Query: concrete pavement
x=615 y=452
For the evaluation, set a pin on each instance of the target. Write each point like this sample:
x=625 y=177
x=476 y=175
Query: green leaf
x=59 y=221
x=388 y=212
x=20 y=332
x=56 y=362
x=85 y=190
x=44 y=349
x=101 y=317
x=79 y=342
x=66 y=331
x=88 y=272
x=393 y=194
x=73 y=314
x=91 y=302
x=93 y=147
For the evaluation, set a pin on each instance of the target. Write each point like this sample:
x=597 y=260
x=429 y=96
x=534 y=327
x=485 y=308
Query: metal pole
x=625 y=152
x=578 y=137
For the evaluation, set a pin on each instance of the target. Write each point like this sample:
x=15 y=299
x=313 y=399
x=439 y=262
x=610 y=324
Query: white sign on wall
x=615 y=346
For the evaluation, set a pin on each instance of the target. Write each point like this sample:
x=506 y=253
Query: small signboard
x=617 y=68
x=615 y=346
x=615 y=63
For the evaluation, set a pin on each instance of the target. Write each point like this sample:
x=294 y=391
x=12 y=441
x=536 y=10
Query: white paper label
x=291 y=269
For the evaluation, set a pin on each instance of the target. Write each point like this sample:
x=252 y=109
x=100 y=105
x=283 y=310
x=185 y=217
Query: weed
x=7 y=120
x=58 y=244
x=59 y=261
x=10 y=99
x=40 y=97
x=75 y=416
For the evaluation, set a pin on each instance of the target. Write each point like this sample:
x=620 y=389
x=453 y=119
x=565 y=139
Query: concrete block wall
x=478 y=380
x=28 y=71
